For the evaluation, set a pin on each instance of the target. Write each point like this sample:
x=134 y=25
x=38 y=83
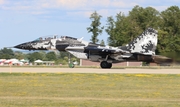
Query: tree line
x=122 y=28
x=59 y=57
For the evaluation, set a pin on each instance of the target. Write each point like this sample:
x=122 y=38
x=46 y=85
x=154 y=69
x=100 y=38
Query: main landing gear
x=105 y=64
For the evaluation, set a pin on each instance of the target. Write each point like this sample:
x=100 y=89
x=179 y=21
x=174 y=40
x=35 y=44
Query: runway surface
x=88 y=70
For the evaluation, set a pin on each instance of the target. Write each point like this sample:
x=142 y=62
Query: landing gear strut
x=105 y=64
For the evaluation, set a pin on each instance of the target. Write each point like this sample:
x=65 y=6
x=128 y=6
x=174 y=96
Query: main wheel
x=105 y=64
x=109 y=65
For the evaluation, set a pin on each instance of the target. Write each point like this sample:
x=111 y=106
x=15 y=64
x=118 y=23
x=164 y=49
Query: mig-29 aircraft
x=141 y=48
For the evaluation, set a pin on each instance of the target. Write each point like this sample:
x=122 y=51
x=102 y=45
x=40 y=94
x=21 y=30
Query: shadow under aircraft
x=142 y=48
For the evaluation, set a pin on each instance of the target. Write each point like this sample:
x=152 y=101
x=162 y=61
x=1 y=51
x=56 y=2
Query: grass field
x=89 y=90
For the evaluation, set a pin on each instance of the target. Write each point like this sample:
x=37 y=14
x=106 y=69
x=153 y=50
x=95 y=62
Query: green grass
x=89 y=90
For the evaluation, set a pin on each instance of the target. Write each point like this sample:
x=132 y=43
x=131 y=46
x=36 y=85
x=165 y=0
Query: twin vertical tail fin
x=145 y=43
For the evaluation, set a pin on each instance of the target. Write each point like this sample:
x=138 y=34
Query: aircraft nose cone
x=23 y=46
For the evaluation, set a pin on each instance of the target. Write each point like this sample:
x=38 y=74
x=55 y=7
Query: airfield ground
x=153 y=70
x=89 y=87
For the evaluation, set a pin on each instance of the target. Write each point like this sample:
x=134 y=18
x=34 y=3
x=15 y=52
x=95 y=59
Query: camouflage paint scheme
x=141 y=48
x=145 y=43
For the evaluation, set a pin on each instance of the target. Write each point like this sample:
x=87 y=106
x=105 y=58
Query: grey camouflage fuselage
x=141 y=48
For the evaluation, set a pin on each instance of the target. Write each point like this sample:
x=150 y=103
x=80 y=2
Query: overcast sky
x=26 y=20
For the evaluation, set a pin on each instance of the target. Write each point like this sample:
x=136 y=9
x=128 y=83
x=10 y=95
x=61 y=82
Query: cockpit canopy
x=44 y=38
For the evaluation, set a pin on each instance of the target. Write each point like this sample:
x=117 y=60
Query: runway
x=88 y=70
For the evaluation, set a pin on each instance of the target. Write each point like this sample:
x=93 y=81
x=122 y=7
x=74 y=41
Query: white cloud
x=62 y=4
x=79 y=4
x=80 y=7
x=123 y=4
x=71 y=4
x=88 y=4
x=74 y=4
x=87 y=7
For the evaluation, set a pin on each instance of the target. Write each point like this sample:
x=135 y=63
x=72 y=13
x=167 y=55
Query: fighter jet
x=141 y=48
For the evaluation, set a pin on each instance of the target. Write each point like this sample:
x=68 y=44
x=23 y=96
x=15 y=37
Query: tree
x=63 y=54
x=140 y=19
x=171 y=20
x=102 y=42
x=6 y=53
x=35 y=56
x=117 y=30
x=19 y=55
x=144 y=17
x=95 y=27
x=43 y=55
x=51 y=56
x=125 y=28
x=169 y=42
x=64 y=58
x=110 y=31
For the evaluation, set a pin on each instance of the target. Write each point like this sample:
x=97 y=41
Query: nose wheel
x=105 y=64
